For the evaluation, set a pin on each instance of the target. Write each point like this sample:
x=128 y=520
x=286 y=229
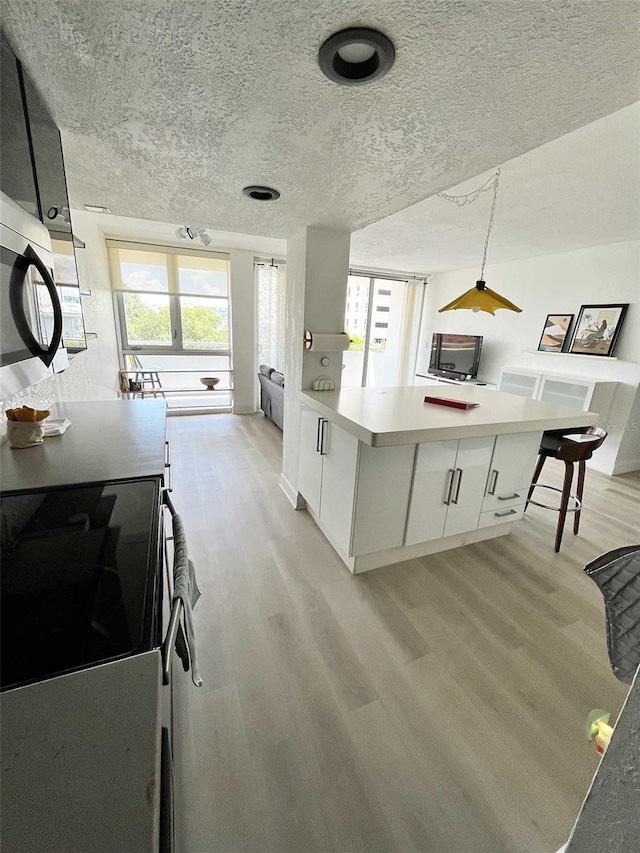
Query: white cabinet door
x=521 y=384
x=382 y=501
x=565 y=392
x=469 y=481
x=310 y=460
x=431 y=494
x=339 y=467
x=511 y=470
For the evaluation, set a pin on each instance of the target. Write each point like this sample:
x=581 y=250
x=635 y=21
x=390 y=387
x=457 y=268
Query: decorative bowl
x=209 y=381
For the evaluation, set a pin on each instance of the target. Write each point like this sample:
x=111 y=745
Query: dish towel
x=185 y=588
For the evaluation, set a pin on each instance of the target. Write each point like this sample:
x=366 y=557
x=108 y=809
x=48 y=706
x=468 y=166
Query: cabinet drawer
x=507 y=499
x=501 y=516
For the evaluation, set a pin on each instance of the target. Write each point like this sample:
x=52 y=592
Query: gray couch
x=272 y=394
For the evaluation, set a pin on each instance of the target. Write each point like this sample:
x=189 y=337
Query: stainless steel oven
x=31 y=320
x=90 y=630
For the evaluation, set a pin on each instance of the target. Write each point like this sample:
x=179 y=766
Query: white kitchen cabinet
x=310 y=460
x=382 y=497
x=574 y=392
x=511 y=470
x=327 y=467
x=448 y=488
x=520 y=383
x=339 y=455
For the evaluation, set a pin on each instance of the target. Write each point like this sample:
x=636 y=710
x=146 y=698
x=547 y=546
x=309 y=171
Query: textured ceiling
x=168 y=108
x=577 y=191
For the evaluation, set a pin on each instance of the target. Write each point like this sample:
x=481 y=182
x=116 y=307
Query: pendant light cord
x=469 y=198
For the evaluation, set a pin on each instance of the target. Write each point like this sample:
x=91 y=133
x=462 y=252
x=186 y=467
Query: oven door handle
x=18 y=278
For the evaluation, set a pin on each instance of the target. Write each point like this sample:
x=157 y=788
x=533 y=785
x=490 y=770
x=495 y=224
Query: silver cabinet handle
x=318 y=436
x=459 y=472
x=323 y=437
x=506 y=512
x=508 y=497
x=492 y=486
x=449 y=488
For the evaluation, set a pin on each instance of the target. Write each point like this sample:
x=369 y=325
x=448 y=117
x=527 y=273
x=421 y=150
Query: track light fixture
x=190 y=232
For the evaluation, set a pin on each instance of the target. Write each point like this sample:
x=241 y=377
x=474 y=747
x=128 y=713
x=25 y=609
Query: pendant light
x=480 y=297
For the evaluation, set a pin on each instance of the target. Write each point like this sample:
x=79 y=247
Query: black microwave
x=31 y=321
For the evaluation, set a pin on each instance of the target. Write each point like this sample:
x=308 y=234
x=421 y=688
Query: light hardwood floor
x=437 y=705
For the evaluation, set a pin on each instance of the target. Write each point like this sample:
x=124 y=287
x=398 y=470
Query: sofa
x=272 y=394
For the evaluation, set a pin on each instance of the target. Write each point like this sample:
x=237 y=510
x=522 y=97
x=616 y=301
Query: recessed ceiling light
x=96 y=208
x=259 y=193
x=356 y=55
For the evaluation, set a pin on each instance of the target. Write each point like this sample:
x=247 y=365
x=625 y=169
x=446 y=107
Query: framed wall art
x=554 y=332
x=597 y=329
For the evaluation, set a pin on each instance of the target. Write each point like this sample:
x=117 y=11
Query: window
x=382 y=350
x=173 y=311
x=65 y=275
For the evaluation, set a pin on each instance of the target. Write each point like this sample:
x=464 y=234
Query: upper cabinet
x=32 y=174
x=17 y=178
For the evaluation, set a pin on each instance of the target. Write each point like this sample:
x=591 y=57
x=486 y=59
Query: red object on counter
x=454 y=404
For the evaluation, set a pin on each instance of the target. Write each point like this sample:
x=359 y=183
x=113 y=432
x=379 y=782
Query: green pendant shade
x=480 y=298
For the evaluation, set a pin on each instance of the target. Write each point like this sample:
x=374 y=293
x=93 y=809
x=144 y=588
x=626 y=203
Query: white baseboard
x=367 y=562
x=244 y=410
x=293 y=496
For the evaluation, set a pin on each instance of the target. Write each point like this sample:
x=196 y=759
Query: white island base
x=388 y=477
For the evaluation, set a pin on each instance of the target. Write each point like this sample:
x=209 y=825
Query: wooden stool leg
x=579 y=489
x=564 y=502
x=536 y=474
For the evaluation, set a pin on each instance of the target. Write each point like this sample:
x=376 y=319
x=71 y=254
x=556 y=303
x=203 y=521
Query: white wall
x=555 y=284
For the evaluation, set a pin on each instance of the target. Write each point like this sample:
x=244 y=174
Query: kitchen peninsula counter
x=388 y=477
x=390 y=416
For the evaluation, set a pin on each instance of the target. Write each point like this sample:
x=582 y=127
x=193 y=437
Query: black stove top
x=80 y=573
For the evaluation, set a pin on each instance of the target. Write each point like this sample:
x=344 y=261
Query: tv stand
x=430 y=379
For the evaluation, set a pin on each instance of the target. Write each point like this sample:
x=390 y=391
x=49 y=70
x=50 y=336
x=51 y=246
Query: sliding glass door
x=374 y=319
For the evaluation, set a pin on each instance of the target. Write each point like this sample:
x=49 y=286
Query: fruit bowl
x=209 y=381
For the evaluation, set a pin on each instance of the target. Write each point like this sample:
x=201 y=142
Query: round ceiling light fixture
x=356 y=55
x=259 y=193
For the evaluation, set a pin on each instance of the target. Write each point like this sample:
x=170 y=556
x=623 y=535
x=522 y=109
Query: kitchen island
x=388 y=477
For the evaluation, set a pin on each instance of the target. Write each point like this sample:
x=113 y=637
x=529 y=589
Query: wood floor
x=437 y=705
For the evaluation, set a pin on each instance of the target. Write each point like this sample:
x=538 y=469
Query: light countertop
x=107 y=440
x=390 y=416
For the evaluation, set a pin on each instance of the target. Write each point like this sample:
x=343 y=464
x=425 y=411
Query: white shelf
x=569 y=354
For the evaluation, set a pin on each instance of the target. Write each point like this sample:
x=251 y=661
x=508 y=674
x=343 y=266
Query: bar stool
x=574 y=446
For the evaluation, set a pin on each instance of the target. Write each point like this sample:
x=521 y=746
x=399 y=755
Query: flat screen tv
x=455 y=356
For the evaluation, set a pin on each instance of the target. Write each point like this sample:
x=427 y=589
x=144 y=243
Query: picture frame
x=597 y=329
x=555 y=332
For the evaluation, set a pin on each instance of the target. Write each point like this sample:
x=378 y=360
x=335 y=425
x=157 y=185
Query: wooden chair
x=562 y=446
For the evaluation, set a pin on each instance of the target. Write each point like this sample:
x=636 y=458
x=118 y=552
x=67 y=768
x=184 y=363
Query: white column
x=243 y=331
x=317 y=271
